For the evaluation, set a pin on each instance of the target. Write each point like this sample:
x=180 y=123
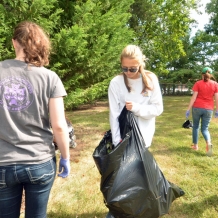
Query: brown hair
x=34 y=41
x=207 y=76
x=134 y=52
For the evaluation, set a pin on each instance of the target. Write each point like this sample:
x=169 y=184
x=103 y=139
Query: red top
x=206 y=91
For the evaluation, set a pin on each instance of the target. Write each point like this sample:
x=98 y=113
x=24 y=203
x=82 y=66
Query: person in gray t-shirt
x=31 y=97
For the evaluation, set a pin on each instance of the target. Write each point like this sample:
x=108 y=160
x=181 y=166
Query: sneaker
x=209 y=150
x=195 y=147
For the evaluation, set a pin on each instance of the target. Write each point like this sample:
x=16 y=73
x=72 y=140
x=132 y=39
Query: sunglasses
x=131 y=69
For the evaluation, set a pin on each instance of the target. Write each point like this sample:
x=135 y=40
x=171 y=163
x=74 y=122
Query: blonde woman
x=138 y=90
x=30 y=96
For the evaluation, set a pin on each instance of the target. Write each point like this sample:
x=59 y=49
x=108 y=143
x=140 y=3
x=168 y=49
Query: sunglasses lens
x=126 y=69
x=133 y=70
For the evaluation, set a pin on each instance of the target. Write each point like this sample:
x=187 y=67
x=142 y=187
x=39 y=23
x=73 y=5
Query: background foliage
x=88 y=37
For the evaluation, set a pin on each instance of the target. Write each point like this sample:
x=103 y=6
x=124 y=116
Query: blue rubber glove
x=187 y=114
x=64 y=167
x=216 y=114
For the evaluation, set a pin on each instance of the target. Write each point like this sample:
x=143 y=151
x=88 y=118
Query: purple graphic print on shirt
x=16 y=94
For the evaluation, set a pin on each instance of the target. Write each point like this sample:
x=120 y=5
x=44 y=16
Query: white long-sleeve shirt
x=146 y=106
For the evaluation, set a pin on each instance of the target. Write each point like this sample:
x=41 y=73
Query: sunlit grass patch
x=79 y=196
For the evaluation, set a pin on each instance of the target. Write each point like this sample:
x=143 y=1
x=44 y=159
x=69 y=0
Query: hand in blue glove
x=216 y=114
x=64 y=167
x=187 y=114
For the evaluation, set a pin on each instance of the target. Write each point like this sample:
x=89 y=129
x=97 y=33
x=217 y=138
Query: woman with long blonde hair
x=138 y=90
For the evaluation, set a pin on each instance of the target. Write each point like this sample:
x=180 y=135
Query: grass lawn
x=79 y=196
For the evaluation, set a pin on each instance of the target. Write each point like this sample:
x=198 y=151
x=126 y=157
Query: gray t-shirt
x=25 y=90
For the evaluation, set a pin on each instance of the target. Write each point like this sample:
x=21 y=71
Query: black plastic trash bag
x=132 y=184
x=187 y=124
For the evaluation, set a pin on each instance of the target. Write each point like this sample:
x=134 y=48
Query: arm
x=114 y=113
x=155 y=105
x=59 y=125
x=193 y=98
x=216 y=100
x=60 y=131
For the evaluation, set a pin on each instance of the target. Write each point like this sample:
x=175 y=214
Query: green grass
x=78 y=196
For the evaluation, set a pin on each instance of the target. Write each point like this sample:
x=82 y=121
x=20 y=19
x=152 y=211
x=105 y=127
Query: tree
x=200 y=51
x=206 y=48
x=211 y=9
x=12 y=12
x=88 y=37
x=160 y=26
x=90 y=48
x=211 y=29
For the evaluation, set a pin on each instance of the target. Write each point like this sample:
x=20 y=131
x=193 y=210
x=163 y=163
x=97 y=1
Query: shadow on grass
x=199 y=207
x=74 y=215
x=195 y=210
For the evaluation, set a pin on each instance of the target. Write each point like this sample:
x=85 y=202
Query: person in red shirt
x=202 y=104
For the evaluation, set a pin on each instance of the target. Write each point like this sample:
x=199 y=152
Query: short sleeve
x=195 y=87
x=58 y=89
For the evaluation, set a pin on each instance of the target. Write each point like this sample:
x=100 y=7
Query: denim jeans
x=35 y=179
x=205 y=116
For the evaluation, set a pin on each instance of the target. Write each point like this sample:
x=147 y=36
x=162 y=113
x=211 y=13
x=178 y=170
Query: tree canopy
x=88 y=37
x=200 y=50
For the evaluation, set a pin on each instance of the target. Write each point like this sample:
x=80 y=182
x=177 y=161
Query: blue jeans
x=35 y=179
x=205 y=116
